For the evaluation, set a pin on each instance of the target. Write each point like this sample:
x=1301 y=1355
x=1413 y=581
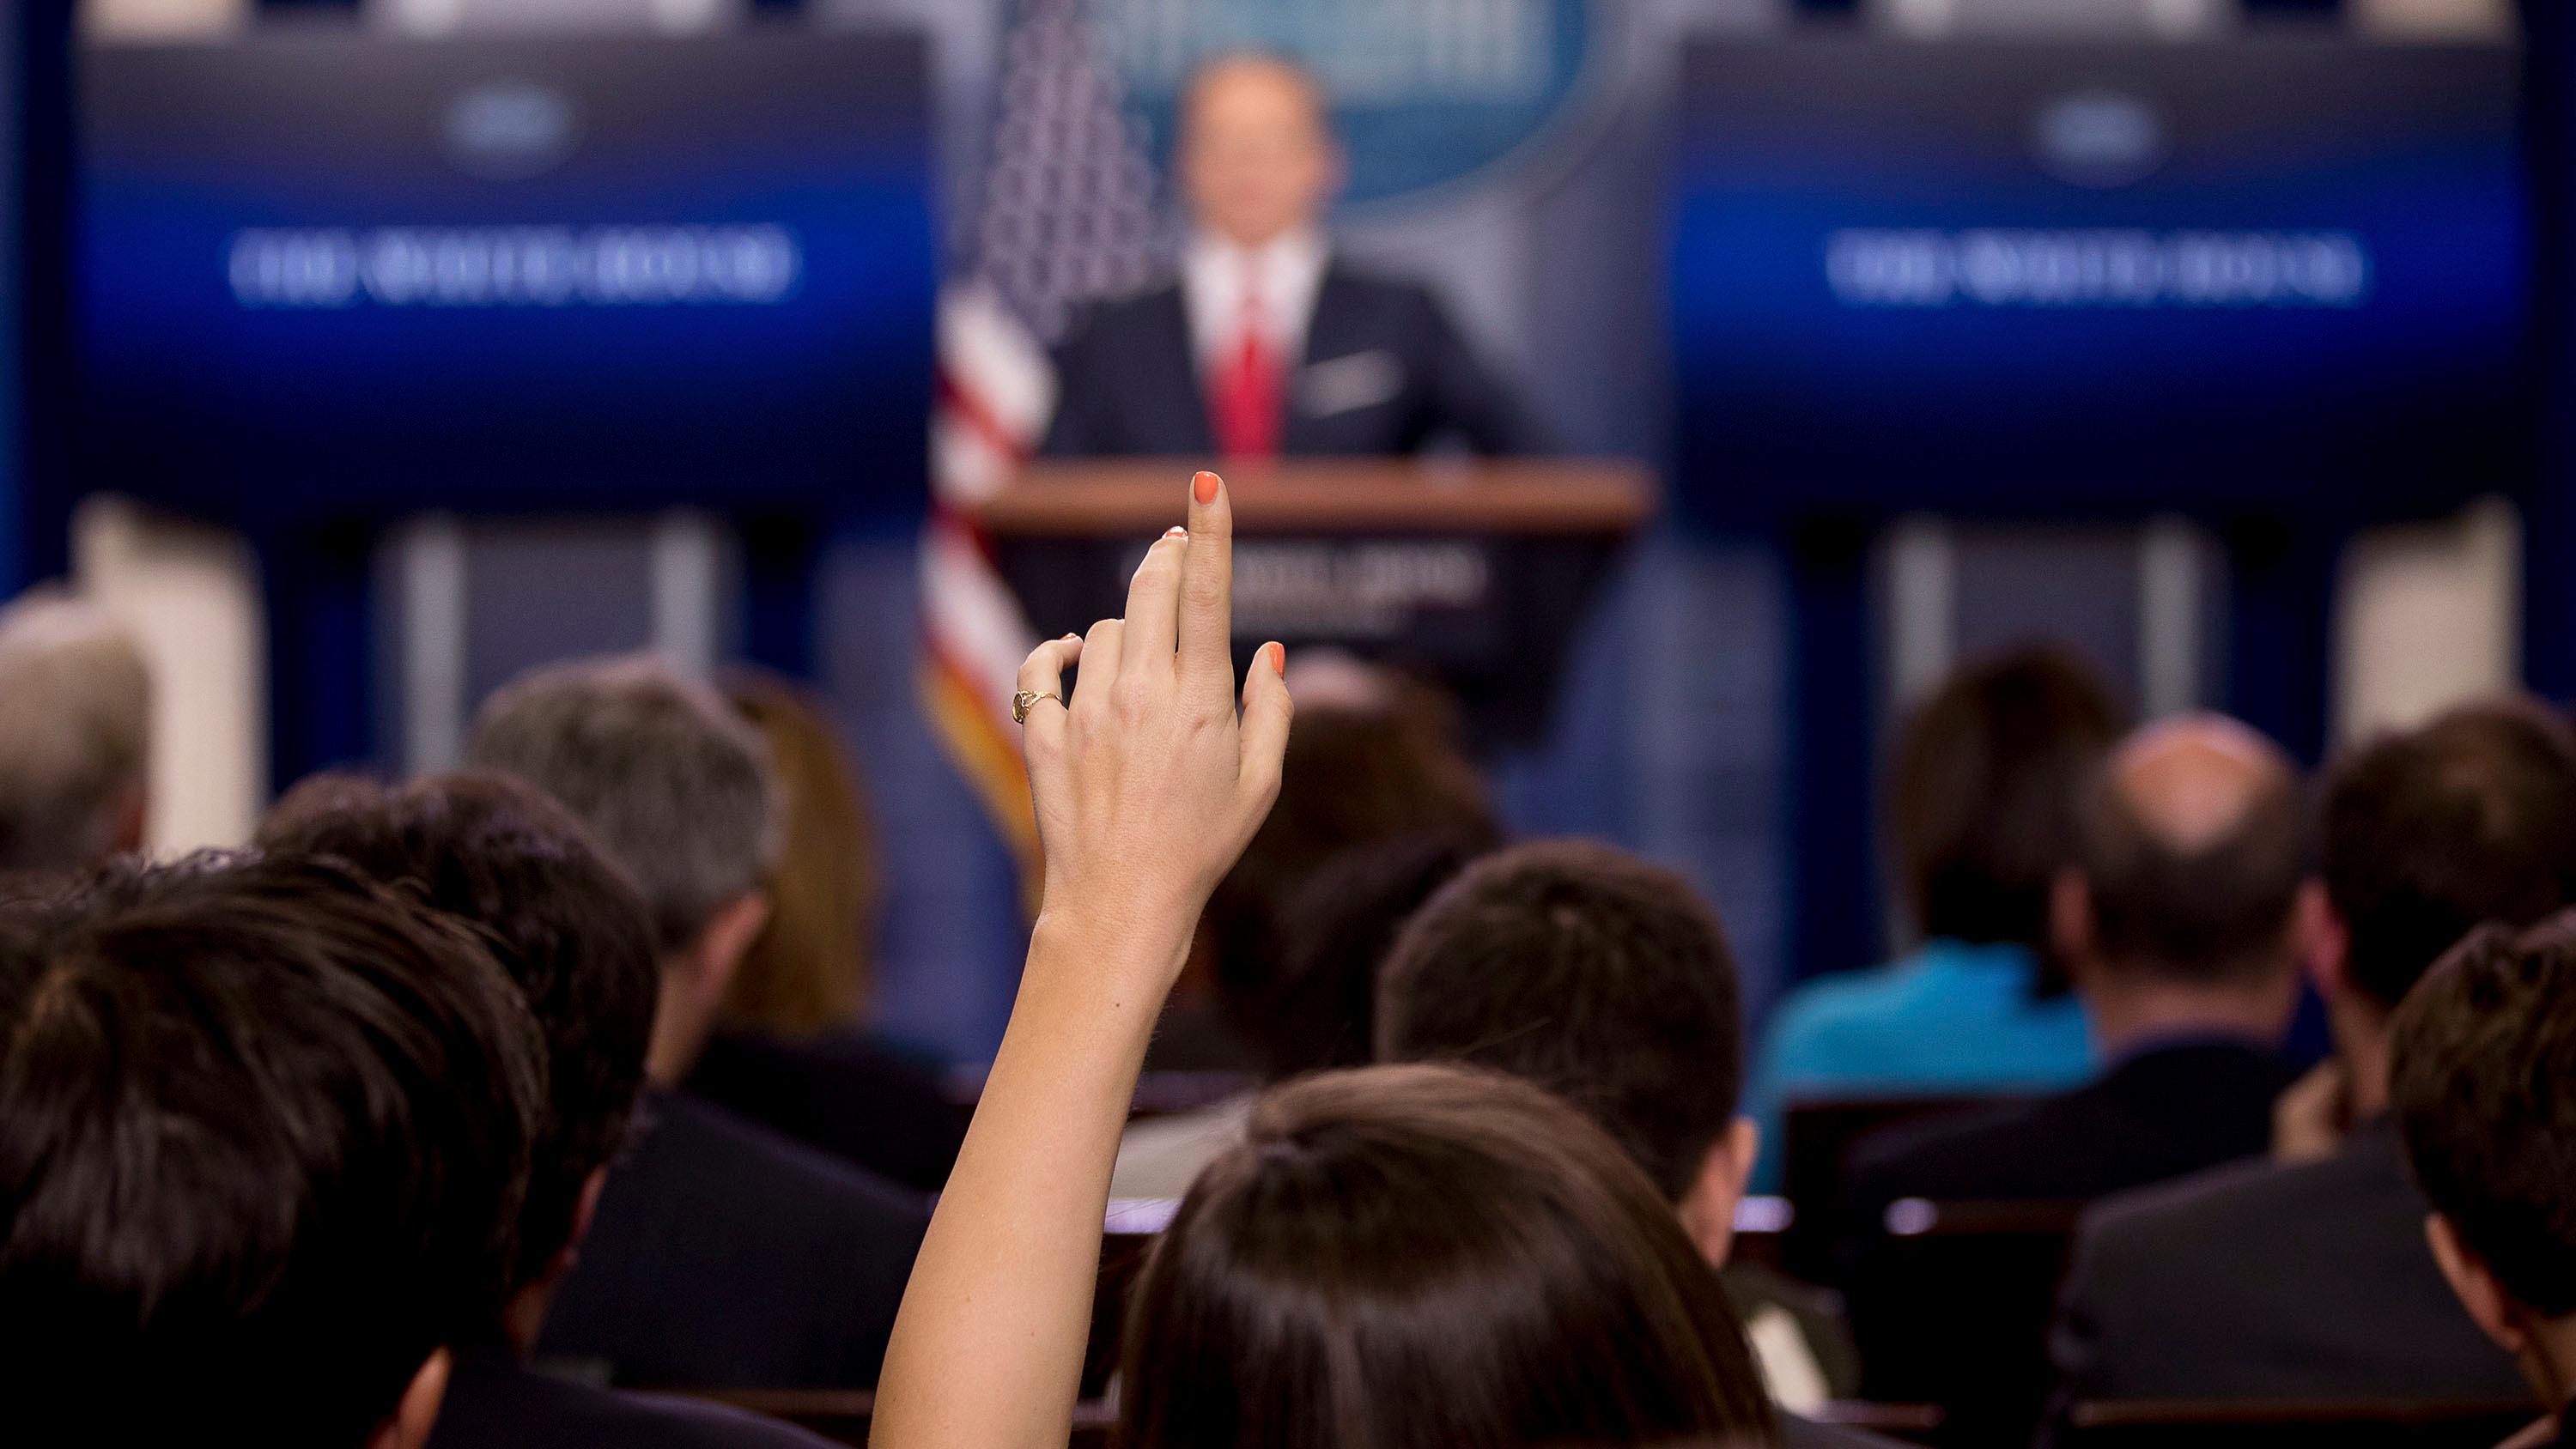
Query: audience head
x=1409 y=1257
x=676 y=788
x=1983 y=792
x=566 y=928
x=1373 y=759
x=1608 y=982
x=807 y=972
x=2485 y=1096
x=1335 y=936
x=2191 y=879
x=75 y=736
x=264 y=1129
x=1257 y=156
x=2429 y=832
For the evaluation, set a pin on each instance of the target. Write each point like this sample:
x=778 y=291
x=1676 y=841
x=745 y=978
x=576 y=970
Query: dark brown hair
x=808 y=971
x=1429 y=1258
x=2430 y=832
x=1337 y=933
x=1982 y=794
x=264 y=1130
x=1355 y=774
x=1598 y=976
x=2483 y=1081
x=563 y=922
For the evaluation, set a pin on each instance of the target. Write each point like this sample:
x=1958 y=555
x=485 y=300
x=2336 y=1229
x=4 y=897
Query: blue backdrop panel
x=2275 y=271
x=13 y=284
x=2549 y=94
x=35 y=64
x=330 y=273
x=2278 y=280
x=328 y=277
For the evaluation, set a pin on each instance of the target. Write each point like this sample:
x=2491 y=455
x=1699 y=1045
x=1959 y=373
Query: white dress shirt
x=1284 y=274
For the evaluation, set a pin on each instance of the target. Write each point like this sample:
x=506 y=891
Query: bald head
x=1256 y=153
x=2193 y=780
x=2192 y=847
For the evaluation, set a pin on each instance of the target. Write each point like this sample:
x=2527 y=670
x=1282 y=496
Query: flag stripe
x=1067 y=210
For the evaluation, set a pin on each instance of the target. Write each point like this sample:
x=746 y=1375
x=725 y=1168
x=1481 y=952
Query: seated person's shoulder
x=724 y=1254
x=1798 y=1433
x=495 y=1405
x=1821 y=1022
x=849 y=1097
x=1959 y=1155
x=764 y=1169
x=2210 y=1208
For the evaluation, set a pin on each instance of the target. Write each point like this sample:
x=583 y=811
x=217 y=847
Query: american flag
x=1066 y=212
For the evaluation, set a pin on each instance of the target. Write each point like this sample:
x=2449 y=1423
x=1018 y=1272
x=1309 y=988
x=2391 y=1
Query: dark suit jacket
x=844 y=1095
x=724 y=1256
x=495 y=1402
x=2309 y=1281
x=1384 y=373
x=1797 y=1433
x=2159 y=1114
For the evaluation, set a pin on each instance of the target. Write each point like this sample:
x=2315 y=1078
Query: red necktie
x=1243 y=396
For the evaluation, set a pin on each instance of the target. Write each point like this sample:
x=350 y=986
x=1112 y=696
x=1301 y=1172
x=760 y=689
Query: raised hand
x=1148 y=784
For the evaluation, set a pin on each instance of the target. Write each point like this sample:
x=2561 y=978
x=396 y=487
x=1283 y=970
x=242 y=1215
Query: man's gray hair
x=75 y=732
x=675 y=785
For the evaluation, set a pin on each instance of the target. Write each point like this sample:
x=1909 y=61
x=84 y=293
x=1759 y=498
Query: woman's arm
x=1147 y=788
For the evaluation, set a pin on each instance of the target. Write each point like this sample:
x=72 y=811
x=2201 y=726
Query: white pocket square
x=1353 y=380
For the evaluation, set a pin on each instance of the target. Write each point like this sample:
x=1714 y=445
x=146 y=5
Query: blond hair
x=809 y=970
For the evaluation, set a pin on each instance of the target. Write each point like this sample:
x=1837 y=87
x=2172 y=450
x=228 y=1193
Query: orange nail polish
x=1278 y=658
x=1203 y=488
x=1176 y=531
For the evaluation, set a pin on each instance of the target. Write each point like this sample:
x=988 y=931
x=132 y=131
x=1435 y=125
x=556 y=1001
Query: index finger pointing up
x=1207 y=591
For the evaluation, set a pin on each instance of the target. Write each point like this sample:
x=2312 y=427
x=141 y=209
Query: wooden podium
x=1471 y=573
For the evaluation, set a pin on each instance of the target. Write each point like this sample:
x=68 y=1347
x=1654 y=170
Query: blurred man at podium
x=1267 y=344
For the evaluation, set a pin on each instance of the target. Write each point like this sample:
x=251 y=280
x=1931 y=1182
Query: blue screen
x=2271 y=272
x=334 y=273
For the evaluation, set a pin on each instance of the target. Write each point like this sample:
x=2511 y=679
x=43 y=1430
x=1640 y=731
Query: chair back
x=2286 y=1424
x=1126 y=1238
x=1815 y=1157
x=1951 y=1303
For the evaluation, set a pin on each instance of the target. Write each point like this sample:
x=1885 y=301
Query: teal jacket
x=1951 y=1017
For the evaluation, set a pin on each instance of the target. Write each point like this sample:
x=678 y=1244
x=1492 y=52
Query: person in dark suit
x=492 y=1398
x=570 y=933
x=843 y=1094
x=2184 y=924
x=2484 y=1091
x=790 y=1049
x=1609 y=982
x=720 y=1255
x=724 y=1256
x=1267 y=343
x=2309 y=1279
